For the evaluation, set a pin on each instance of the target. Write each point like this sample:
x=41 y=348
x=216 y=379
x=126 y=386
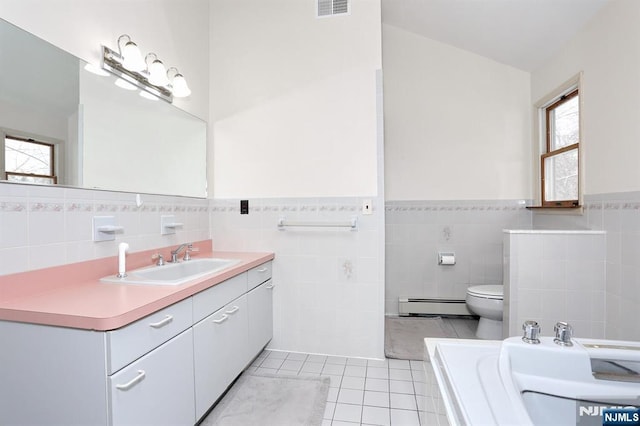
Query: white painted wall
x=457 y=125
x=176 y=30
x=293 y=99
x=608 y=52
x=297 y=130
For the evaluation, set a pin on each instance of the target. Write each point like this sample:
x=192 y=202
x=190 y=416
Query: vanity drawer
x=210 y=300
x=259 y=274
x=136 y=339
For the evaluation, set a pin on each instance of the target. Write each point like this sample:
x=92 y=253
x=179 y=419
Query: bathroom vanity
x=167 y=367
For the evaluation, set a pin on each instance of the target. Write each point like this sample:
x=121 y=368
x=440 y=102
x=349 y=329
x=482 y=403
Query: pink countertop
x=73 y=296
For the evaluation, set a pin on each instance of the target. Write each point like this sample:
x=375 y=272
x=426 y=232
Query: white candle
x=122 y=249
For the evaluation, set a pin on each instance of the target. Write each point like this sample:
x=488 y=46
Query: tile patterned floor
x=362 y=392
x=387 y=392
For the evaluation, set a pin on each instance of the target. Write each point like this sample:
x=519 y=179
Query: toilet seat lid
x=487 y=291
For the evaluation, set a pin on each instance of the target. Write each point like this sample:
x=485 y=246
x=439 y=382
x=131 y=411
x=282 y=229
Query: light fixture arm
x=154 y=57
x=176 y=72
x=128 y=40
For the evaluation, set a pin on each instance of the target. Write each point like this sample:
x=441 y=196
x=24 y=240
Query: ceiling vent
x=332 y=7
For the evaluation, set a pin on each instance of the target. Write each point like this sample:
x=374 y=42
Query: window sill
x=569 y=210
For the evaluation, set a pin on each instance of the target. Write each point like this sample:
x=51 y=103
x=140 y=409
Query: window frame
x=549 y=152
x=52 y=169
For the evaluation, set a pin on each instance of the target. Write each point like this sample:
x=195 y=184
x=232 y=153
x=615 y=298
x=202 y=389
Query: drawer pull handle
x=232 y=310
x=133 y=381
x=162 y=323
x=262 y=270
x=270 y=286
x=222 y=319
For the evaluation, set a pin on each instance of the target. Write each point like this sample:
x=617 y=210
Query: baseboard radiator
x=453 y=307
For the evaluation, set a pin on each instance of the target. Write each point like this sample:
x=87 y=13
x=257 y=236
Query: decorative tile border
x=225 y=206
x=98 y=207
x=46 y=207
x=615 y=205
x=80 y=207
x=12 y=207
x=455 y=206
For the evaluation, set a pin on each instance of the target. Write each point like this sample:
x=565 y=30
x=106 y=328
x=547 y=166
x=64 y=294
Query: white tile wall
x=619 y=215
x=43 y=226
x=555 y=276
x=329 y=282
x=417 y=230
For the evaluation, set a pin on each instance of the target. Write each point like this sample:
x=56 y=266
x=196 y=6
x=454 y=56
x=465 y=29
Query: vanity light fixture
x=178 y=84
x=148 y=74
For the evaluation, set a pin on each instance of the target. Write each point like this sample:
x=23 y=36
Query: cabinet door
x=260 y=302
x=220 y=352
x=157 y=389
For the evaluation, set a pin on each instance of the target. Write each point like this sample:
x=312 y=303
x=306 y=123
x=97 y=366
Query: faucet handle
x=564 y=332
x=190 y=249
x=158 y=258
x=187 y=252
x=531 y=332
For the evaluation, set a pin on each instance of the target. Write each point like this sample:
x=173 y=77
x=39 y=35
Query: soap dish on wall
x=105 y=228
x=168 y=224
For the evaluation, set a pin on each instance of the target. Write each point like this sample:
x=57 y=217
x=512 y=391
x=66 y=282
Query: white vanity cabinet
x=157 y=389
x=260 y=303
x=225 y=340
x=141 y=374
x=220 y=352
x=167 y=368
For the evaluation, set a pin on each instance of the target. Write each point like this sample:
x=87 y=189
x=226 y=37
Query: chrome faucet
x=176 y=252
x=564 y=333
x=531 y=332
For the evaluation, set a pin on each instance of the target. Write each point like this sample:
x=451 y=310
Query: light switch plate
x=367 y=207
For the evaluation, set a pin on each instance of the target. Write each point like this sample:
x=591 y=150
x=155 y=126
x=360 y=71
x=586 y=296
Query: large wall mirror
x=61 y=123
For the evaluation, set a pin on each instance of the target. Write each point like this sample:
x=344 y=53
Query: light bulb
x=132 y=58
x=180 y=88
x=158 y=73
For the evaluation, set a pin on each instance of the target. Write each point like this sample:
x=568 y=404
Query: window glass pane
x=561 y=176
x=27 y=157
x=565 y=124
x=30 y=179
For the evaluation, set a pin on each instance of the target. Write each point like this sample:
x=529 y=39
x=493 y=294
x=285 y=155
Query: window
x=560 y=160
x=27 y=160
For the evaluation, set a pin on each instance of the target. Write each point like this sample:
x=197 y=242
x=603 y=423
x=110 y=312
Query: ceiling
x=520 y=33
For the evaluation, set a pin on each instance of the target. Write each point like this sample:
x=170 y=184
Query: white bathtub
x=511 y=382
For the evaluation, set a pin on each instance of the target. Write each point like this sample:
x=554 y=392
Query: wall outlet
x=367 y=207
x=244 y=206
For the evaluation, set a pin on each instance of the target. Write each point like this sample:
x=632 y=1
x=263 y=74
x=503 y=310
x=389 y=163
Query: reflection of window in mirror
x=29 y=160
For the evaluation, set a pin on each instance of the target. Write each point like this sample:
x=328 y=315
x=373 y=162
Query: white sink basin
x=173 y=273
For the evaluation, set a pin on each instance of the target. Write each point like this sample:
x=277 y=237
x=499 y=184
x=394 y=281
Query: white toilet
x=486 y=302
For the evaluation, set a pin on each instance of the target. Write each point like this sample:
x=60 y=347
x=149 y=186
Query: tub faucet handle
x=564 y=332
x=531 y=332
